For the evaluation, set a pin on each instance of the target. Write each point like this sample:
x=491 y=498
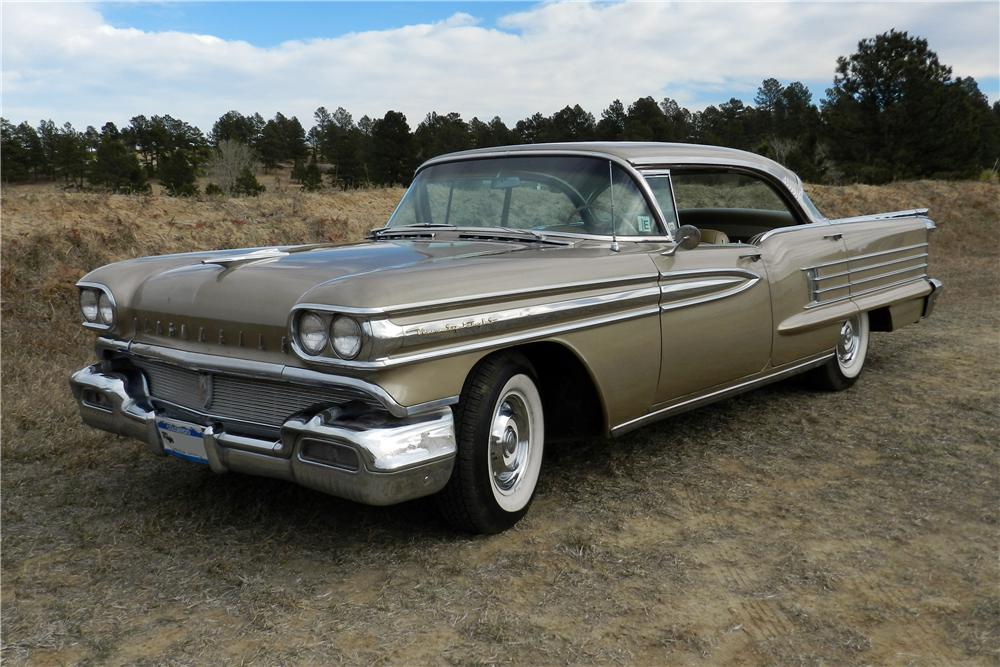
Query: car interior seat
x=713 y=236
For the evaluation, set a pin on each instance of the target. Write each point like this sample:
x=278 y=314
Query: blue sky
x=89 y=63
x=271 y=23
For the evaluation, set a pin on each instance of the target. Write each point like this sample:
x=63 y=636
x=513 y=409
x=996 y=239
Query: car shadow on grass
x=175 y=497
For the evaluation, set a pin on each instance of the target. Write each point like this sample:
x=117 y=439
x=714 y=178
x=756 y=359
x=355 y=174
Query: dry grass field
x=783 y=527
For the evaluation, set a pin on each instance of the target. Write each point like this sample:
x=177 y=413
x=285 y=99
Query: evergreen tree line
x=893 y=112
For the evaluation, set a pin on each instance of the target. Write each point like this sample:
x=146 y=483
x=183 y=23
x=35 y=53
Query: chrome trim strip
x=387 y=343
x=719 y=394
x=792 y=228
x=817 y=292
x=500 y=320
x=892 y=215
x=476 y=299
x=871 y=266
x=272 y=371
x=680 y=289
x=733 y=280
x=870 y=290
x=868 y=255
x=898 y=283
x=501 y=341
x=697 y=273
x=889 y=274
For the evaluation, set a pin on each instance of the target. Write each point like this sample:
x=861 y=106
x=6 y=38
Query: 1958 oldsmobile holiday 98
x=516 y=295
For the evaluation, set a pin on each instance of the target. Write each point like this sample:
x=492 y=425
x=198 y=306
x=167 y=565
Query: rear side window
x=723 y=190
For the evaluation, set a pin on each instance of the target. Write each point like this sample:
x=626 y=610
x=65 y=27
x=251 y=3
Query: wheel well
x=572 y=404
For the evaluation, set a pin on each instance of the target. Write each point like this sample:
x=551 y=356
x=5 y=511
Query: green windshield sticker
x=645 y=224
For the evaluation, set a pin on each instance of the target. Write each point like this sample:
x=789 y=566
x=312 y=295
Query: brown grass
x=781 y=527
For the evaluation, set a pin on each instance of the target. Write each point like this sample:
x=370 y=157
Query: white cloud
x=65 y=62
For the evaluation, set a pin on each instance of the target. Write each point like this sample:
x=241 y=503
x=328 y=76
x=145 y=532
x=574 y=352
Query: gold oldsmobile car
x=516 y=295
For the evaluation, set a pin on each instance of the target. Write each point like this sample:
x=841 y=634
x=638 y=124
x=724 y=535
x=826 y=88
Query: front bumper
x=373 y=458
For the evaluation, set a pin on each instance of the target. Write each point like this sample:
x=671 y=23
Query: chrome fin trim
x=681 y=289
x=391 y=344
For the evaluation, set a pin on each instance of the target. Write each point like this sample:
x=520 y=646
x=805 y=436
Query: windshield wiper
x=508 y=232
x=404 y=230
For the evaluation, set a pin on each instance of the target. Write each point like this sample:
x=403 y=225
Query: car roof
x=646 y=154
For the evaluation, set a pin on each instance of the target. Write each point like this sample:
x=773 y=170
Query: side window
x=729 y=207
x=660 y=185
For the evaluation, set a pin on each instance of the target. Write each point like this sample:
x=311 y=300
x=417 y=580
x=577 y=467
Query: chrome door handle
x=753 y=257
x=834 y=237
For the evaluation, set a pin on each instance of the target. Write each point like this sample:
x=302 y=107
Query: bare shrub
x=231 y=159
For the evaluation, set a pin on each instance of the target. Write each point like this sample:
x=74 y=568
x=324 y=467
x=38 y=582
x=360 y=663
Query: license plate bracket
x=182 y=440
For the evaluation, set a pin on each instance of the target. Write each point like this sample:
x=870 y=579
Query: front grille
x=230 y=397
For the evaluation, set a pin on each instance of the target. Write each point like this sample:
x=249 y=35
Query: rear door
x=810 y=293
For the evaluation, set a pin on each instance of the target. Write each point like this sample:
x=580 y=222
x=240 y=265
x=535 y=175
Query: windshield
x=545 y=194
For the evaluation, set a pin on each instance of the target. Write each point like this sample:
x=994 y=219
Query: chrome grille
x=230 y=397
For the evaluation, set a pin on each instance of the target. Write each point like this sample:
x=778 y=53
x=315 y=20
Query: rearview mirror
x=686 y=237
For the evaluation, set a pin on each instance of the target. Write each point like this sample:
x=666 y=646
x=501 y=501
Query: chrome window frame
x=662 y=173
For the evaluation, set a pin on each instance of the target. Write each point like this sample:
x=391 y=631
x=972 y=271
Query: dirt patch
x=780 y=527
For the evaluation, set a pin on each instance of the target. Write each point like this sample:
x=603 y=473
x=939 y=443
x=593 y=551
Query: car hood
x=222 y=303
x=189 y=298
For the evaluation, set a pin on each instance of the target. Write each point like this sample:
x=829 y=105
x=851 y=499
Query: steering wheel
x=623 y=228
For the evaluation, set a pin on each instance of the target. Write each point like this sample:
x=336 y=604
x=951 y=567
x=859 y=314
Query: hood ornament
x=255 y=256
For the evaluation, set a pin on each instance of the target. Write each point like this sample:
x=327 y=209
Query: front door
x=715 y=318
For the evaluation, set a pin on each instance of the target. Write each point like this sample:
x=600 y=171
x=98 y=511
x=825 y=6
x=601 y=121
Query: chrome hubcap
x=850 y=339
x=510 y=441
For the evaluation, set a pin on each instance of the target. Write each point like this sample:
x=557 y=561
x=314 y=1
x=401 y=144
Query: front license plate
x=182 y=440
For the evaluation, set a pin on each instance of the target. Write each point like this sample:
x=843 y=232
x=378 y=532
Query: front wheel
x=845 y=367
x=501 y=439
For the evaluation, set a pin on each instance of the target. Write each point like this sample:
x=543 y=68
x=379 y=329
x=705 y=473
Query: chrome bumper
x=931 y=299
x=374 y=459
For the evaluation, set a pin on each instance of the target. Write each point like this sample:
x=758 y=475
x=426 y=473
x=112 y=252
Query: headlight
x=346 y=333
x=88 y=304
x=106 y=308
x=312 y=333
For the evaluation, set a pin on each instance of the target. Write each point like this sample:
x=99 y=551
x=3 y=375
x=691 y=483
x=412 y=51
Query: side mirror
x=687 y=237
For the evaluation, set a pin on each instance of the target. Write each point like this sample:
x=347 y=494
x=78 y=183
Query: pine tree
x=178 y=175
x=247 y=184
x=116 y=167
x=312 y=178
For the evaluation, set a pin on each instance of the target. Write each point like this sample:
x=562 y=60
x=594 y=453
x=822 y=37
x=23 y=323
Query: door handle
x=753 y=257
x=834 y=237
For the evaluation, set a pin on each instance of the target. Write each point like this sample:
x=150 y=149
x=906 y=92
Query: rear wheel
x=845 y=367
x=501 y=437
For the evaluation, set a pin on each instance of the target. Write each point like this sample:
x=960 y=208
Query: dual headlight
x=97 y=306
x=315 y=331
